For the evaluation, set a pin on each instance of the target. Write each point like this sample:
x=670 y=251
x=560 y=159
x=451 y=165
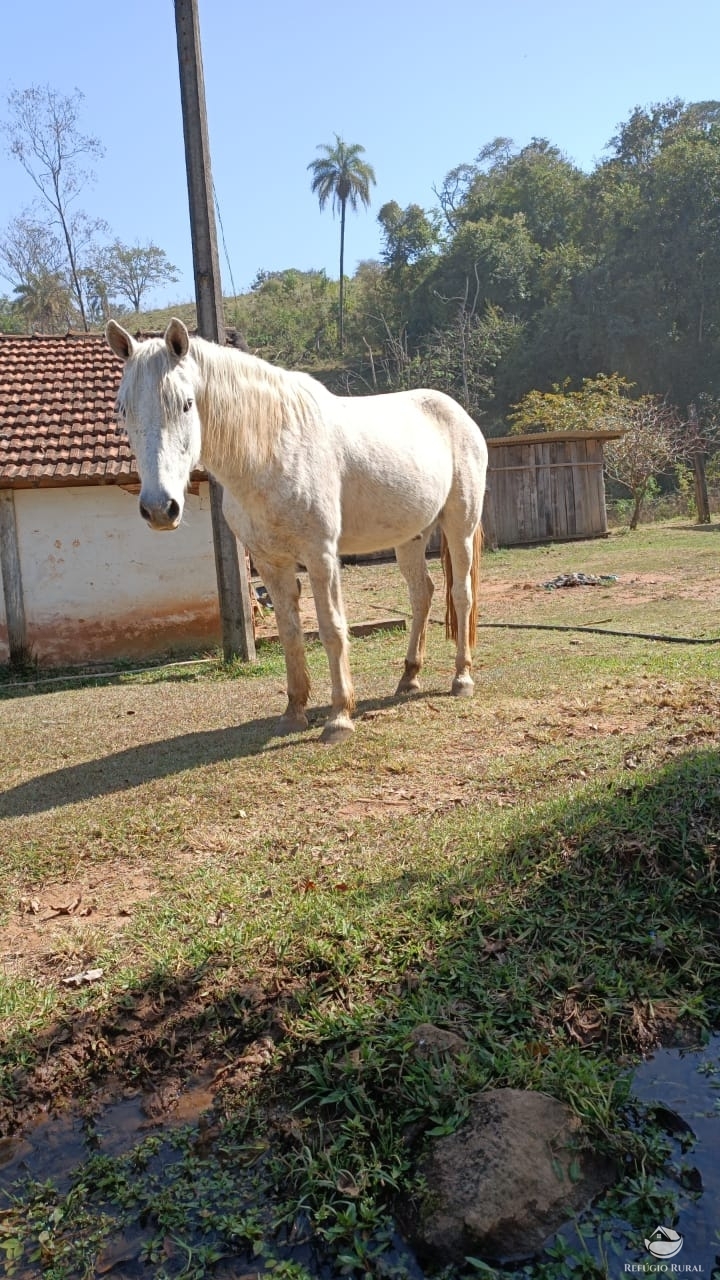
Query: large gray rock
x=505 y=1181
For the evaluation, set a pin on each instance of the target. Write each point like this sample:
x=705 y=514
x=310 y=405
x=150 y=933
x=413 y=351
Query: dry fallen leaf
x=494 y=947
x=66 y=908
x=346 y=1184
x=79 y=979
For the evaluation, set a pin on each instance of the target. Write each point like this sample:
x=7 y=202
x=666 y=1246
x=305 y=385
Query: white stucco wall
x=97 y=583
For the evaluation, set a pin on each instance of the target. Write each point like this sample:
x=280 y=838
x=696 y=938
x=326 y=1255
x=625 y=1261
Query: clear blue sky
x=421 y=84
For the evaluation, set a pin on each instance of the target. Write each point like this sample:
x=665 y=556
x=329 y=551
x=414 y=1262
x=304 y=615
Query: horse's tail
x=451 y=627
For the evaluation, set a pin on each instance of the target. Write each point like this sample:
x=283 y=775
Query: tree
x=29 y=249
x=653 y=438
x=641 y=139
x=516 y=218
x=289 y=316
x=601 y=403
x=410 y=234
x=32 y=259
x=680 y=229
x=496 y=257
x=650 y=300
x=537 y=181
x=462 y=358
x=343 y=178
x=453 y=193
x=44 y=136
x=10 y=319
x=653 y=441
x=128 y=271
x=44 y=303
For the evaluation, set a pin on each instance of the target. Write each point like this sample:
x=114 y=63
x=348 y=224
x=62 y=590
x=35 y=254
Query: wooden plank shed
x=546 y=487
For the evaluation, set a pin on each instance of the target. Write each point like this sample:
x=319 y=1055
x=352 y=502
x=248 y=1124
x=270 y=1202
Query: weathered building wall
x=97 y=583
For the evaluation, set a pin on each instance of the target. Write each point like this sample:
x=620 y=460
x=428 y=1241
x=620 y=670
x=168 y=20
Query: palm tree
x=43 y=301
x=339 y=175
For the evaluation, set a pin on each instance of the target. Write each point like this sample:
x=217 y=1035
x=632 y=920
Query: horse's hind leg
x=324 y=571
x=460 y=547
x=412 y=565
x=282 y=584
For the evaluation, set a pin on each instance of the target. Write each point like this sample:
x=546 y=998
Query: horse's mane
x=246 y=402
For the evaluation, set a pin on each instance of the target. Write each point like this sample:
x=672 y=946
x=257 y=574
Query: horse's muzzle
x=161 y=515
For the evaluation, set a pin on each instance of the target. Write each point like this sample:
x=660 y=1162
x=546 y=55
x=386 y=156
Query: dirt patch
x=628 y=589
x=377 y=589
x=52 y=926
x=370 y=592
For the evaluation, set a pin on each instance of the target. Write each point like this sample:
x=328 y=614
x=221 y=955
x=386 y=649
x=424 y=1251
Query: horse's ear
x=177 y=339
x=119 y=340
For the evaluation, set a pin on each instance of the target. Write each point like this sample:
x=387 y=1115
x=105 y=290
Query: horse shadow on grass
x=597 y=913
x=147 y=761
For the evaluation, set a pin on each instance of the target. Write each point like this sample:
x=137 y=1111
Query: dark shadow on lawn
x=627 y=914
x=700 y=528
x=656 y=840
x=173 y=671
x=124 y=770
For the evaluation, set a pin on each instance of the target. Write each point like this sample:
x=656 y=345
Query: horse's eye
x=187 y=406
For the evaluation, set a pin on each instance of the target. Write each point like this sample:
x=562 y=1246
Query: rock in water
x=506 y=1181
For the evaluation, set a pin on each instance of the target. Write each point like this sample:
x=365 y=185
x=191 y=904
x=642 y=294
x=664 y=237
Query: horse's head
x=157 y=406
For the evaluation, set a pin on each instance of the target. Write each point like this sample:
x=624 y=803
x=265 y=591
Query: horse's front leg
x=282 y=584
x=324 y=571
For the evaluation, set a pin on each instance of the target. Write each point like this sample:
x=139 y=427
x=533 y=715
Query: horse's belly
x=389 y=523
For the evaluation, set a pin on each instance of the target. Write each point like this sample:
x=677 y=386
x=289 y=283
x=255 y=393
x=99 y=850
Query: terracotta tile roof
x=57 y=412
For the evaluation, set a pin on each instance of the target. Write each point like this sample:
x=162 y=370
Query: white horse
x=309 y=476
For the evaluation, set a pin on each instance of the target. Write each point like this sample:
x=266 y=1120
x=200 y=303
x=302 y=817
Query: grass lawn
x=268 y=919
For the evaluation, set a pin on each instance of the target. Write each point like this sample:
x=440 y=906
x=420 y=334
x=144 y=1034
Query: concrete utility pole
x=233 y=590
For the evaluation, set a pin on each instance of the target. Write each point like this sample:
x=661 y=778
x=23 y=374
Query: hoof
x=336 y=731
x=409 y=682
x=462 y=687
x=408 y=686
x=291 y=724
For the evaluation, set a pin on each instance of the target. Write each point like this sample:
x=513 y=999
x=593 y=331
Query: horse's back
x=406 y=458
x=417 y=421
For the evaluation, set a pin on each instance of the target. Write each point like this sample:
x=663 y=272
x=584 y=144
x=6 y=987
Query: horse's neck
x=243 y=402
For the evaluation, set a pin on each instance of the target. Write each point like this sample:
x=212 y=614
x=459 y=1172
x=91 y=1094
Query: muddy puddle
x=680 y=1088
x=55 y=1147
x=683 y=1088
x=55 y=1150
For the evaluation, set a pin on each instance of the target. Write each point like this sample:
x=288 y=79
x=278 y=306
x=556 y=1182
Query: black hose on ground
x=600 y=631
